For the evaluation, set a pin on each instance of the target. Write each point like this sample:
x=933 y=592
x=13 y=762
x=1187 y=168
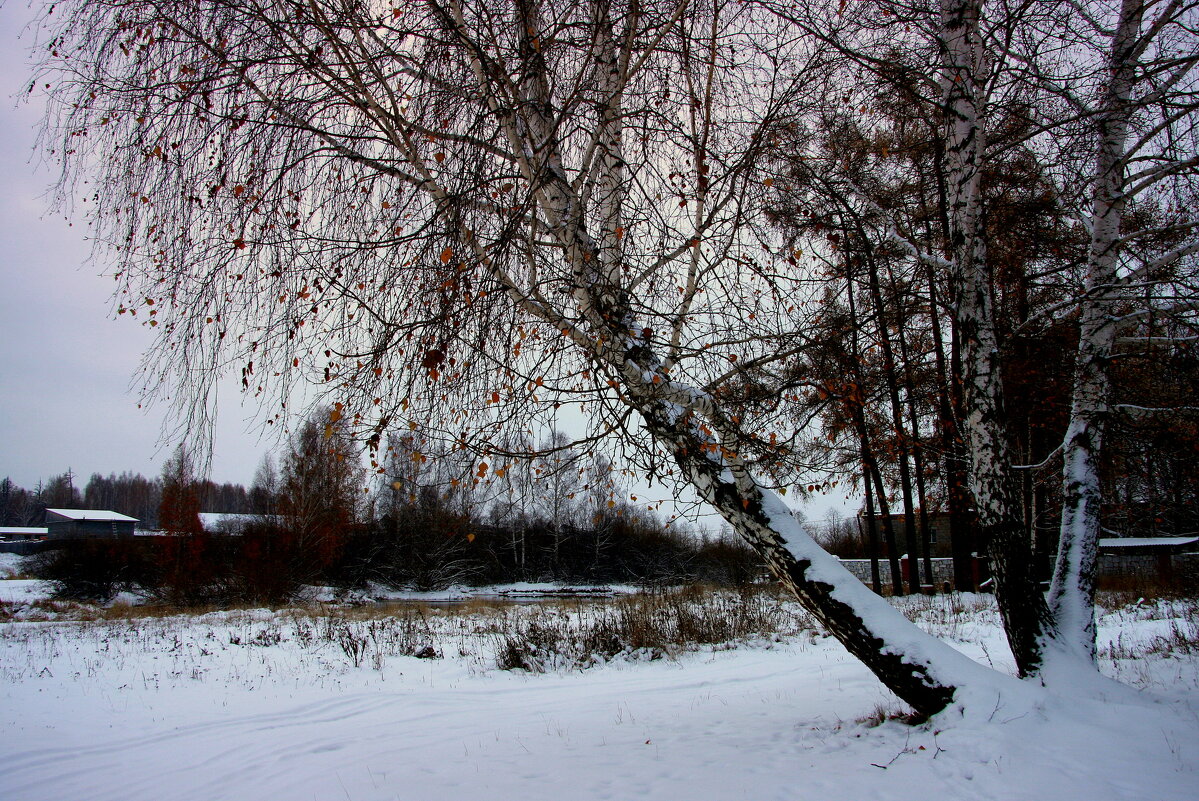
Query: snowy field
x=305 y=705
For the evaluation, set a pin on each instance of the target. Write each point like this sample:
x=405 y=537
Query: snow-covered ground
x=260 y=704
x=10 y=565
x=21 y=591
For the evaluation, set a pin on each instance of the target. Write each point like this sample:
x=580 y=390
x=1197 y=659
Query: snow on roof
x=1147 y=542
x=6 y=531
x=93 y=514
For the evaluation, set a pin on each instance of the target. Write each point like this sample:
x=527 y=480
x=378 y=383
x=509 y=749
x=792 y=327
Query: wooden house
x=83 y=523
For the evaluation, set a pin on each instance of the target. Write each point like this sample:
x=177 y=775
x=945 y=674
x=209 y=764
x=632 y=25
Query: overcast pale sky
x=66 y=369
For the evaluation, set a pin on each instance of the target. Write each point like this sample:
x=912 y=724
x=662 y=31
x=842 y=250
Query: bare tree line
x=317 y=515
x=127 y=492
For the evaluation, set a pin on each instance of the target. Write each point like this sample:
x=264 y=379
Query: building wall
x=66 y=529
x=938 y=532
x=1178 y=566
x=942 y=570
x=24 y=547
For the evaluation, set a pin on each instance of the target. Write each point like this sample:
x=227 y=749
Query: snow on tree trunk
x=1072 y=594
x=1026 y=616
x=917 y=667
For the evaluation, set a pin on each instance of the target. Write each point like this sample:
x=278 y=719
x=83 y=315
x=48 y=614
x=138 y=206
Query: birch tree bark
x=1130 y=89
x=1027 y=618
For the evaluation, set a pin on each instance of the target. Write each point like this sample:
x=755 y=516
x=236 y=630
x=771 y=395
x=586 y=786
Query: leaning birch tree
x=459 y=217
x=468 y=216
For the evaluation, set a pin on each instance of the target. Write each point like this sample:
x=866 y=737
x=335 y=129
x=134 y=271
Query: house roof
x=9 y=531
x=1146 y=543
x=93 y=514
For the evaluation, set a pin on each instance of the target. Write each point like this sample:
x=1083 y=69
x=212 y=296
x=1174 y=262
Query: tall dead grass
x=646 y=627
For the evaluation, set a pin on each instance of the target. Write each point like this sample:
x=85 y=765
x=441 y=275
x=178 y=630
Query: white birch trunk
x=1072 y=594
x=1026 y=617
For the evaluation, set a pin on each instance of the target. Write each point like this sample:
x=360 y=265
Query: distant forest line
x=416 y=520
